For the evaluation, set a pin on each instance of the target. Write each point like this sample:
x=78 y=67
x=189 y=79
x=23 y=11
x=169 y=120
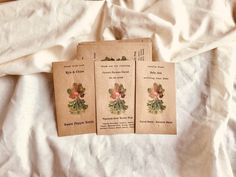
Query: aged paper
x=75 y=97
x=155 y=98
x=115 y=92
x=131 y=49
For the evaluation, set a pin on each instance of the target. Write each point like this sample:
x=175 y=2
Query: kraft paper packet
x=115 y=96
x=131 y=49
x=74 y=97
x=155 y=98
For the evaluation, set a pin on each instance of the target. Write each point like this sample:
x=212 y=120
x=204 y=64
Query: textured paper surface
x=155 y=98
x=74 y=97
x=132 y=49
x=115 y=86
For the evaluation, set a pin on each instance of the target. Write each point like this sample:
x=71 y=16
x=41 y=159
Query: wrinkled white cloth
x=198 y=35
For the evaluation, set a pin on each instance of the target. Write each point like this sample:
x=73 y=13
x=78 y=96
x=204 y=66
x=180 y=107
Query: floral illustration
x=123 y=58
x=156 y=104
x=76 y=93
x=117 y=94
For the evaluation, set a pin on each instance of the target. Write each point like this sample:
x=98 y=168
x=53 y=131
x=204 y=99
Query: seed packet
x=115 y=92
x=118 y=50
x=155 y=98
x=74 y=97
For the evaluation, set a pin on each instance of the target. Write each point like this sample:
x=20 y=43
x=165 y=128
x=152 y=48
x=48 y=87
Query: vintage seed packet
x=74 y=97
x=115 y=94
x=155 y=98
x=118 y=50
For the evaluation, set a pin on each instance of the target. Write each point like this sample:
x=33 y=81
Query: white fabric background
x=198 y=35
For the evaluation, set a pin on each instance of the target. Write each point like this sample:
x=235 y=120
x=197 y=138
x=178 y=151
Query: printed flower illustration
x=156 y=104
x=123 y=58
x=76 y=93
x=117 y=104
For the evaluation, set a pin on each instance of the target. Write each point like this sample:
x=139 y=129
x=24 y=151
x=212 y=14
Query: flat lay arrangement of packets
x=115 y=88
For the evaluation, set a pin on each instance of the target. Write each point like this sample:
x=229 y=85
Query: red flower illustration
x=156 y=104
x=117 y=93
x=76 y=93
x=156 y=92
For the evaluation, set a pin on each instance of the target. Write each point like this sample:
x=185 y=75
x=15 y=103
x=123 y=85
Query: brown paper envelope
x=115 y=86
x=74 y=97
x=155 y=98
x=136 y=49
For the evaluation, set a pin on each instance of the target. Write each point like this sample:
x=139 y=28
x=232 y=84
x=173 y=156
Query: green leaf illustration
x=117 y=94
x=76 y=93
x=156 y=104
